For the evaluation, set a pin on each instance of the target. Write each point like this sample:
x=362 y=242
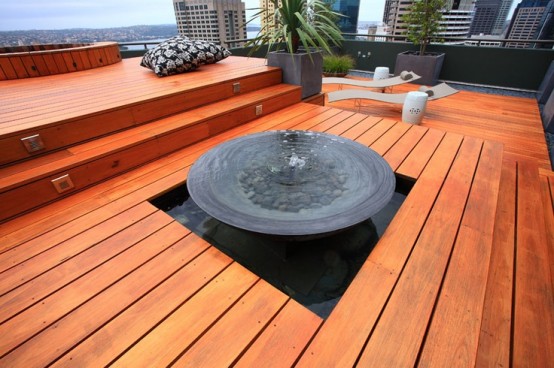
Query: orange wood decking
x=43 y=60
x=462 y=276
x=514 y=121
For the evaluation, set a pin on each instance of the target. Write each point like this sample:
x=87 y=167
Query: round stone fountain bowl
x=49 y=59
x=294 y=184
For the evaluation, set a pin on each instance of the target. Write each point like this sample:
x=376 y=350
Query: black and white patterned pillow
x=209 y=52
x=173 y=56
x=179 y=54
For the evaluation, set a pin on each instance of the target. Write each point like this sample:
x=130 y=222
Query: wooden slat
x=281 y=342
x=29 y=64
x=533 y=299
x=495 y=338
x=42 y=315
x=31 y=268
x=375 y=132
x=7 y=68
x=385 y=142
x=50 y=281
x=416 y=161
x=380 y=272
x=354 y=132
x=19 y=67
x=223 y=343
x=40 y=64
x=397 y=338
x=170 y=338
x=106 y=344
x=460 y=304
x=405 y=145
x=111 y=302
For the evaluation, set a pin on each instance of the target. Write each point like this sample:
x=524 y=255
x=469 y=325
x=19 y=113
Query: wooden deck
x=514 y=121
x=462 y=277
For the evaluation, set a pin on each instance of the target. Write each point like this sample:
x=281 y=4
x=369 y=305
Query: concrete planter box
x=299 y=69
x=427 y=66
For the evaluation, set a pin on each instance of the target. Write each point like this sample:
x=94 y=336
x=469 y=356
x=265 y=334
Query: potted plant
x=292 y=24
x=423 y=23
x=337 y=65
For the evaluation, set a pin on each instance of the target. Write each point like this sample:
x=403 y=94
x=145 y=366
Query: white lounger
x=404 y=77
x=436 y=92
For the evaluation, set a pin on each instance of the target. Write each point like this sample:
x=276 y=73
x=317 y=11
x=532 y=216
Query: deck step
x=64 y=115
x=29 y=184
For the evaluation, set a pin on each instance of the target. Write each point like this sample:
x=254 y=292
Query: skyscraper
x=489 y=17
x=500 y=24
x=456 y=22
x=484 y=18
x=526 y=22
x=350 y=9
x=211 y=20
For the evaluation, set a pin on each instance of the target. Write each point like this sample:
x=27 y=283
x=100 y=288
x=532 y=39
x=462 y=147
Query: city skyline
x=62 y=14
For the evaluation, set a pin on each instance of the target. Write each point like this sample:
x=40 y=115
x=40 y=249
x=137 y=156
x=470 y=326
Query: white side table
x=381 y=72
x=414 y=107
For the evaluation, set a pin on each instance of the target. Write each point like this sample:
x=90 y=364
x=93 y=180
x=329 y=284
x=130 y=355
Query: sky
x=60 y=14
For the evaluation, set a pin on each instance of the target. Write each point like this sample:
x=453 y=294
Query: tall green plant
x=423 y=19
x=310 y=23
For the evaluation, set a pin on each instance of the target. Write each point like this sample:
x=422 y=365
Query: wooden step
x=68 y=109
x=29 y=184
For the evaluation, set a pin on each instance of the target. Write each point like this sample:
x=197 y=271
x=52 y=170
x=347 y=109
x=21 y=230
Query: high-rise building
x=350 y=10
x=490 y=17
x=526 y=22
x=211 y=20
x=546 y=26
x=456 y=22
x=270 y=6
x=500 y=25
x=484 y=18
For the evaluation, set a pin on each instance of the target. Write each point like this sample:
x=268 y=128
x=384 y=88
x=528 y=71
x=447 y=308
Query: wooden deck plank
x=176 y=333
x=354 y=132
x=44 y=314
x=282 y=341
x=376 y=131
x=460 y=305
x=55 y=278
x=224 y=342
x=495 y=339
x=53 y=256
x=397 y=338
x=390 y=138
x=396 y=156
x=69 y=330
x=380 y=271
x=416 y=161
x=533 y=300
x=106 y=344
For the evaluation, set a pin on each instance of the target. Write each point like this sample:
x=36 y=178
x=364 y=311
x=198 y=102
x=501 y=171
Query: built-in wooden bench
x=461 y=277
x=68 y=109
x=42 y=60
x=29 y=184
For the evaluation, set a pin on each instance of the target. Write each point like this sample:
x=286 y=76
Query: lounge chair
x=436 y=92
x=404 y=77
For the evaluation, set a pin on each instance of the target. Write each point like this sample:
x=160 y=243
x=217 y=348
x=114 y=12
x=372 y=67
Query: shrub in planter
x=337 y=65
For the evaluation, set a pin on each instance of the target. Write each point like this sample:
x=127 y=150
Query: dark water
x=314 y=272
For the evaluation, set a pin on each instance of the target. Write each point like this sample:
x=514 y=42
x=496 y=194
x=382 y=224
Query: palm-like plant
x=423 y=21
x=310 y=23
